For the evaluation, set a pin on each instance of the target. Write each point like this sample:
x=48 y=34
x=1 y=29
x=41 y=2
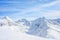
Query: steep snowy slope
x=24 y=22
x=39 y=27
x=54 y=31
x=45 y=28
x=8 y=22
x=56 y=21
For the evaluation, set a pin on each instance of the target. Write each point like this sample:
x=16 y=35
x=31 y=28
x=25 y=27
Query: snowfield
x=8 y=34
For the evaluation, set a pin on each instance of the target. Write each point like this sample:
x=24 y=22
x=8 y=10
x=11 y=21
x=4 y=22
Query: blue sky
x=30 y=9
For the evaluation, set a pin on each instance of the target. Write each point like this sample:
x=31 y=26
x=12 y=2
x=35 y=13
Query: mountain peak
x=6 y=17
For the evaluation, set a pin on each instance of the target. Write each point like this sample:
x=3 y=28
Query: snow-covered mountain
x=8 y=22
x=39 y=27
x=42 y=27
x=45 y=28
x=24 y=22
x=55 y=21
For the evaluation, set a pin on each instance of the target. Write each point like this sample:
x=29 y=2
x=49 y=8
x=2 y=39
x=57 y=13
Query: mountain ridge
x=41 y=27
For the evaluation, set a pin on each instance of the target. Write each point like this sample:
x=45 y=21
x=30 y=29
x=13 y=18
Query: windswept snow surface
x=6 y=33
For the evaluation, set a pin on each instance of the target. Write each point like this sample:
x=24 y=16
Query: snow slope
x=45 y=28
x=9 y=34
x=39 y=27
x=8 y=22
x=54 y=31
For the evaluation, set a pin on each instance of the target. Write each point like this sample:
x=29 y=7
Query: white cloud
x=39 y=7
x=36 y=8
x=52 y=14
